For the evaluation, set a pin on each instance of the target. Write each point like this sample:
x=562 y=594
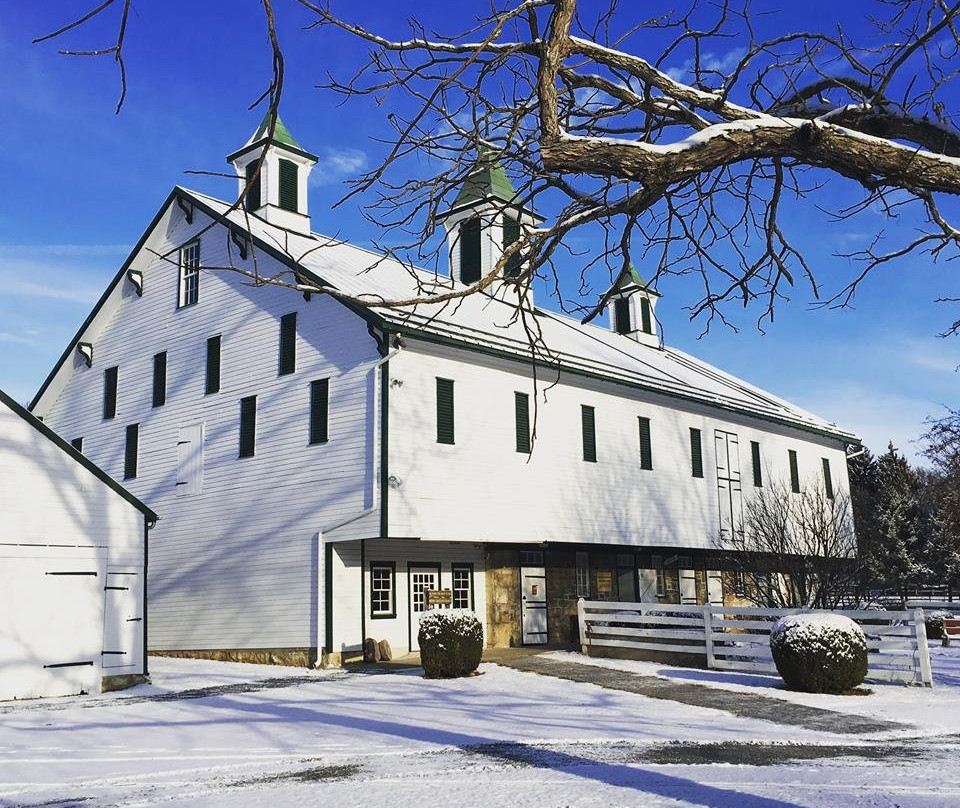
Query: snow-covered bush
x=934 y=623
x=451 y=643
x=819 y=653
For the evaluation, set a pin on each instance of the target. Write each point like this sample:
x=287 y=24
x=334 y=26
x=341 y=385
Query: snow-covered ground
x=247 y=735
x=930 y=711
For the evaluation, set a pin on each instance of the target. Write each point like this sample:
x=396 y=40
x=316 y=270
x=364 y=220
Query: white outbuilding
x=73 y=557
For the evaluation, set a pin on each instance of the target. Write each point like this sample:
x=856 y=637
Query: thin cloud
x=336 y=165
x=16 y=339
x=721 y=64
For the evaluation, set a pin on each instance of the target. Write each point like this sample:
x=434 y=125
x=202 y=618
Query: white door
x=422 y=580
x=123 y=619
x=688 y=587
x=190 y=460
x=714 y=588
x=534 y=605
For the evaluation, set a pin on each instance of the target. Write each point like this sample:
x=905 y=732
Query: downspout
x=324 y=638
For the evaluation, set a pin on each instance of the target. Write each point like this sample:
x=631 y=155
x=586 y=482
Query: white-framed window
x=462 y=586
x=657 y=562
x=189 y=292
x=583 y=575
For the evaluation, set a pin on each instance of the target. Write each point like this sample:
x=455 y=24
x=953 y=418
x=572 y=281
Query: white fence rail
x=737 y=638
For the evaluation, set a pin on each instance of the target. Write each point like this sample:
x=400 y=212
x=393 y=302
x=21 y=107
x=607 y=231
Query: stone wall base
x=122 y=681
x=293 y=657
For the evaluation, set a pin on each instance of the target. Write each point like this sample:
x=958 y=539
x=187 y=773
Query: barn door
x=729 y=491
x=123 y=619
x=688 y=587
x=190 y=460
x=533 y=608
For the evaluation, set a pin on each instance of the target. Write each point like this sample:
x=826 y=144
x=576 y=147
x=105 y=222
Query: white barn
x=320 y=466
x=73 y=555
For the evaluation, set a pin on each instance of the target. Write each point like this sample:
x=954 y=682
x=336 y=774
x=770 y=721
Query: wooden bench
x=951 y=629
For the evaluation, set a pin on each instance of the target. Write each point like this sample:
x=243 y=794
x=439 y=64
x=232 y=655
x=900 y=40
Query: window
x=511 y=234
x=212 y=384
x=383 y=601
x=160 y=379
x=583 y=575
x=248 y=425
x=77 y=443
x=794 y=472
x=319 y=410
x=130 y=451
x=646 y=318
x=470 y=251
x=588 y=427
x=288 y=185
x=657 y=562
x=827 y=478
x=757 y=470
x=189 y=274
x=462 y=586
x=646 y=450
x=621 y=315
x=696 y=453
x=521 y=404
x=444 y=411
x=252 y=201
x=288 y=344
x=110 y=392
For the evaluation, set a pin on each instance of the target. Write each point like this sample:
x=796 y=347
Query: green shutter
x=511 y=233
x=160 y=379
x=470 y=251
x=588 y=426
x=110 y=392
x=757 y=470
x=252 y=201
x=248 y=426
x=77 y=443
x=794 y=472
x=696 y=453
x=444 y=411
x=288 y=344
x=621 y=315
x=646 y=321
x=288 y=185
x=212 y=384
x=522 y=408
x=319 y=408
x=646 y=450
x=827 y=478
x=130 y=452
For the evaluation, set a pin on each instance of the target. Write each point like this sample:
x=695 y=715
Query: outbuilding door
x=729 y=494
x=533 y=594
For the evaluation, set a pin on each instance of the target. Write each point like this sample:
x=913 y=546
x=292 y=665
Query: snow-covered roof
x=490 y=322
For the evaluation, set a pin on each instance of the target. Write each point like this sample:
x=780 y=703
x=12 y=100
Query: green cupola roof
x=280 y=133
x=487 y=181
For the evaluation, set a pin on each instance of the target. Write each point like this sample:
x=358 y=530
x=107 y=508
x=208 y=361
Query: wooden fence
x=737 y=638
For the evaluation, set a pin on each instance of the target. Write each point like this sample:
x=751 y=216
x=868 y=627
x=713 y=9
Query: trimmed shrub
x=819 y=653
x=451 y=643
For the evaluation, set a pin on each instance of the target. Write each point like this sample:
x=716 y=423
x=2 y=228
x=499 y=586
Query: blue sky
x=82 y=183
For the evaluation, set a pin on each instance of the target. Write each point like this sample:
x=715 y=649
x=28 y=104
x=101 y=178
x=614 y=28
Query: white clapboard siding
x=555 y=495
x=744 y=644
x=234 y=562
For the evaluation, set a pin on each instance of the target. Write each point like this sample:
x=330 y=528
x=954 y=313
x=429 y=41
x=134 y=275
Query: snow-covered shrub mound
x=451 y=643
x=934 y=623
x=819 y=653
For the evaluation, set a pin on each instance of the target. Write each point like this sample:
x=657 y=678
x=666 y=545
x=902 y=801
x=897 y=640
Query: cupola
x=279 y=194
x=631 y=305
x=484 y=219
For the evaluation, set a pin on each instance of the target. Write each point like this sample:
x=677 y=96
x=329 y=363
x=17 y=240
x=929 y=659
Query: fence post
x=582 y=623
x=708 y=632
x=920 y=625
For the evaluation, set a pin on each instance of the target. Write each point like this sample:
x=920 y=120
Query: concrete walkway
x=747 y=705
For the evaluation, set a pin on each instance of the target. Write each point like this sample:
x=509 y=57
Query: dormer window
x=288 y=185
x=630 y=303
x=189 y=274
x=470 y=250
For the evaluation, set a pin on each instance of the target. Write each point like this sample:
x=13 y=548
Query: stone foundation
x=122 y=681
x=292 y=657
x=503 y=597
